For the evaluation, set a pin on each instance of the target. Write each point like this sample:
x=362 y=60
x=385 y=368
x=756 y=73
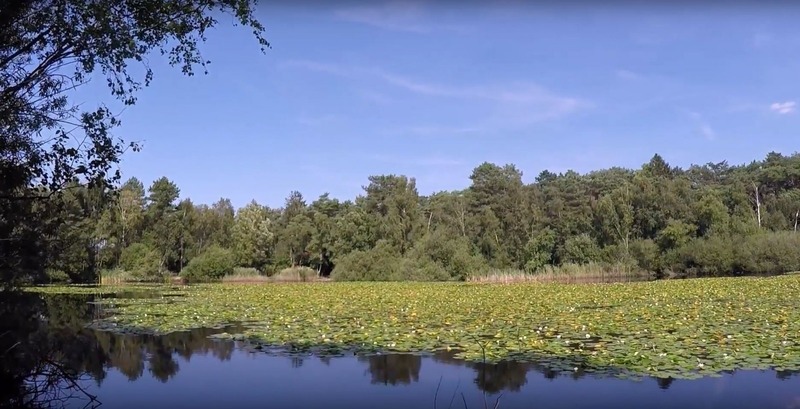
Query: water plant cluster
x=677 y=328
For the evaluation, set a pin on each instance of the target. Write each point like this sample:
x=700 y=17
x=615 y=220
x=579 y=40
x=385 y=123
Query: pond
x=194 y=369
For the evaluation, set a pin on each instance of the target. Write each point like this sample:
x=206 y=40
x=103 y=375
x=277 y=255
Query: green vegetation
x=214 y=263
x=587 y=273
x=675 y=328
x=296 y=274
x=659 y=220
x=52 y=147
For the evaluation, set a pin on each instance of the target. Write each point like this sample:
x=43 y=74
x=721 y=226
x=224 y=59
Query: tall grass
x=244 y=275
x=567 y=273
x=117 y=276
x=297 y=274
x=121 y=276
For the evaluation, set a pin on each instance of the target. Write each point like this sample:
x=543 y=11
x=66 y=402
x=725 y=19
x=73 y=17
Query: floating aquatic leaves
x=680 y=328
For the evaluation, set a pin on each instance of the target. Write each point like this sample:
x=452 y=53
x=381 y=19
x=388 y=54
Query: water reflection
x=46 y=339
x=393 y=369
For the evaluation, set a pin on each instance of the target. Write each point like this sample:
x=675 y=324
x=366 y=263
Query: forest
x=715 y=219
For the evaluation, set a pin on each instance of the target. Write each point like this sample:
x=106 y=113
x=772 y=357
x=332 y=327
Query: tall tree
x=252 y=236
x=163 y=221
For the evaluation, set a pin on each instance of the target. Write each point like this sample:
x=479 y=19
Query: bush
x=761 y=253
x=769 y=253
x=646 y=254
x=419 y=269
x=56 y=276
x=212 y=264
x=432 y=258
x=539 y=250
x=141 y=261
x=580 y=249
x=380 y=263
x=712 y=256
x=442 y=258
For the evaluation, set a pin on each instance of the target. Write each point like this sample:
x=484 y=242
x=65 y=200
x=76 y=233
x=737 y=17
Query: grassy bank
x=675 y=328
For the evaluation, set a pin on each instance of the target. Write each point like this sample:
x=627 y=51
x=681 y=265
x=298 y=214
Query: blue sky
x=431 y=90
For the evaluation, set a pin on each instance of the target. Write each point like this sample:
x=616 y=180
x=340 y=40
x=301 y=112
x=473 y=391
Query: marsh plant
x=671 y=328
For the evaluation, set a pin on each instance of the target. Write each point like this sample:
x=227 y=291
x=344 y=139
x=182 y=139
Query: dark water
x=47 y=335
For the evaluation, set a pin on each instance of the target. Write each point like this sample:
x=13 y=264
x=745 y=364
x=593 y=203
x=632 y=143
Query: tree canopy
x=703 y=220
x=49 y=48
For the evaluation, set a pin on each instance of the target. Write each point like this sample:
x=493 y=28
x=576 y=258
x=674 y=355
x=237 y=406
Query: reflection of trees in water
x=393 y=369
x=507 y=375
x=46 y=336
x=492 y=378
x=665 y=383
x=786 y=374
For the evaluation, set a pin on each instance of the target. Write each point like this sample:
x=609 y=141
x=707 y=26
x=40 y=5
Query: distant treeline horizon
x=706 y=220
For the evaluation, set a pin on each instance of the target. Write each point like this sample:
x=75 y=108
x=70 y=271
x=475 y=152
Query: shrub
x=761 y=253
x=711 y=256
x=539 y=250
x=769 y=253
x=380 y=263
x=442 y=258
x=580 y=249
x=141 y=261
x=419 y=269
x=56 y=276
x=212 y=264
x=646 y=254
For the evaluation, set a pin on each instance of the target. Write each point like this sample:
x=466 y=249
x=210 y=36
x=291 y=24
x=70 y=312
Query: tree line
x=705 y=220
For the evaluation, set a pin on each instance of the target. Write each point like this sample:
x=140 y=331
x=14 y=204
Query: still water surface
x=191 y=370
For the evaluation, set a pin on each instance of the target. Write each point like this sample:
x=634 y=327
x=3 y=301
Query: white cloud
x=703 y=126
x=518 y=101
x=517 y=92
x=395 y=16
x=783 y=108
x=707 y=131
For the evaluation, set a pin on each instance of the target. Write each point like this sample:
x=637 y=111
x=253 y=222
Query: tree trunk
x=796 y=216
x=758 y=205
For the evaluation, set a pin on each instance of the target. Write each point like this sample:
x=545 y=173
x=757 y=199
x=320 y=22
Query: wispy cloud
x=516 y=92
x=395 y=16
x=529 y=99
x=703 y=126
x=783 y=108
x=516 y=103
x=707 y=131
